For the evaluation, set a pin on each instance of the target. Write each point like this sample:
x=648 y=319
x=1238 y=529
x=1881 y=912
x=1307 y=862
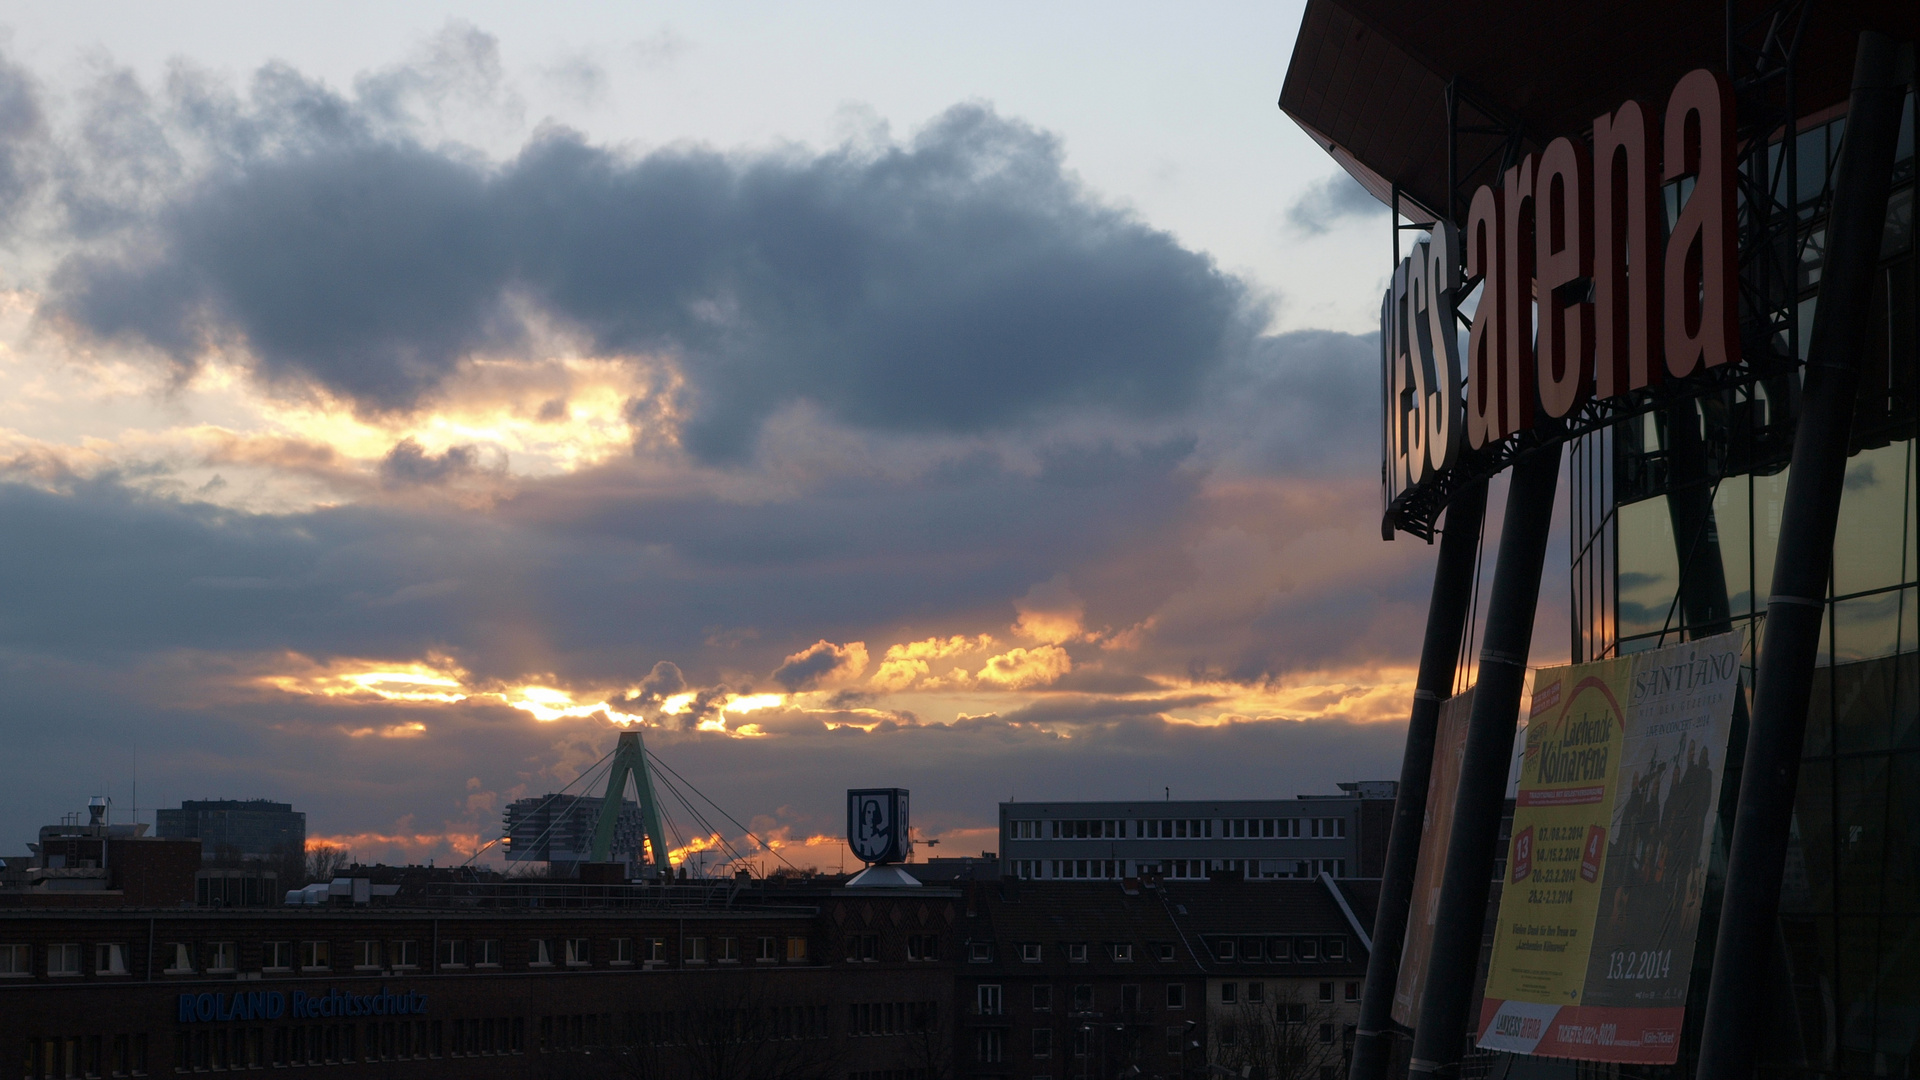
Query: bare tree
x=1289 y=1038
x=324 y=861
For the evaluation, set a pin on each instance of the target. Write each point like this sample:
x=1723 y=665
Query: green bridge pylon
x=630 y=759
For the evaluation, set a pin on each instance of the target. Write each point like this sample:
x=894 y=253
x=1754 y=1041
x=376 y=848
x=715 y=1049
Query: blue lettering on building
x=273 y=1004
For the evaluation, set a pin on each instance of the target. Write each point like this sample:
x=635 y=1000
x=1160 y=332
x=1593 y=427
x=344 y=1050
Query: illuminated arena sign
x=1578 y=297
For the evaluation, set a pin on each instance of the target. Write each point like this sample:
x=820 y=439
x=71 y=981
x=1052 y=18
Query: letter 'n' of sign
x=1702 y=309
x=1626 y=254
x=1563 y=209
x=1485 y=225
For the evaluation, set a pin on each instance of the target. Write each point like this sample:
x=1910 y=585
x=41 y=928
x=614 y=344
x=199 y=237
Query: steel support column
x=1439 y=657
x=1440 y=1035
x=1736 y=1018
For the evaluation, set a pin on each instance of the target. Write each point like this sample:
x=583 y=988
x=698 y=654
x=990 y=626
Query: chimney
x=97 y=810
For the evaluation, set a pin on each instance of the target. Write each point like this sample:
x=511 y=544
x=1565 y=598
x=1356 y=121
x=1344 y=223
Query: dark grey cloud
x=410 y=465
x=1328 y=201
x=807 y=667
x=23 y=139
x=960 y=282
x=1301 y=403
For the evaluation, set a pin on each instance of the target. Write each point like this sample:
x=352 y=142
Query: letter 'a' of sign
x=877 y=824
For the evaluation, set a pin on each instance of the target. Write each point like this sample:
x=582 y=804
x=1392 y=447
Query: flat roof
x=1368 y=78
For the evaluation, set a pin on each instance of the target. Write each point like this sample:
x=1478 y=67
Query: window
x=366 y=954
x=109 y=959
x=1043 y=998
x=656 y=950
x=1082 y=1040
x=403 y=954
x=1029 y=952
x=315 y=956
x=453 y=953
x=179 y=958
x=987 y=998
x=1077 y=952
x=727 y=950
x=796 y=950
x=1130 y=999
x=1229 y=1034
x=1163 y=951
x=923 y=946
x=1307 y=950
x=580 y=951
x=1336 y=948
x=1329 y=828
x=1280 y=950
x=1326 y=991
x=1253 y=949
x=276 y=955
x=1291 y=1012
x=486 y=952
x=1223 y=949
x=764 y=951
x=1353 y=991
x=540 y=953
x=1229 y=993
x=1122 y=952
x=620 y=950
x=1082 y=997
x=16 y=961
x=1257 y=993
x=1042 y=1042
x=1023 y=830
x=989 y=1046
x=1088 y=830
x=863 y=948
x=693 y=950
x=1326 y=1033
x=979 y=952
x=63 y=959
x=1176 y=996
x=1176 y=1040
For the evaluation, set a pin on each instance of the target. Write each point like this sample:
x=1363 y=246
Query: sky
x=398 y=400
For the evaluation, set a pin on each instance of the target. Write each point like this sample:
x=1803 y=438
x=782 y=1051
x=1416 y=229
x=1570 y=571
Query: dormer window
x=1223 y=949
x=1030 y=952
x=1077 y=952
x=1122 y=952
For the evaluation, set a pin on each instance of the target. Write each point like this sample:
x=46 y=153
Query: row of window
x=989 y=1000
x=65 y=959
x=1288 y=1012
x=1296 y=828
x=892 y=1018
x=1177 y=869
x=88 y=1055
x=225 y=1050
x=1276 y=950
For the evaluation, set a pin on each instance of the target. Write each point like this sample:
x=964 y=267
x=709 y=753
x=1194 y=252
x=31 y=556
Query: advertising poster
x=1449 y=745
x=1612 y=830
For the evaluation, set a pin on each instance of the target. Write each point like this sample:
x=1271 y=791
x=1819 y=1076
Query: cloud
x=910 y=661
x=822 y=662
x=408 y=465
x=961 y=281
x=1018 y=669
x=1329 y=200
x=1050 y=612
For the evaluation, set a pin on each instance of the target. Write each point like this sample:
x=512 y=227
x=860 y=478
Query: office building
x=558 y=830
x=236 y=829
x=1339 y=836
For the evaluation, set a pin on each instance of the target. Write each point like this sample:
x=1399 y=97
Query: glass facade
x=1675 y=515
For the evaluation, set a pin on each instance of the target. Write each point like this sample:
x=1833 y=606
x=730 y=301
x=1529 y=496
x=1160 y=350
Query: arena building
x=1663 y=255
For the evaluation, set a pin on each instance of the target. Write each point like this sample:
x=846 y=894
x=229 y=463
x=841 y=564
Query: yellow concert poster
x=1612 y=829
